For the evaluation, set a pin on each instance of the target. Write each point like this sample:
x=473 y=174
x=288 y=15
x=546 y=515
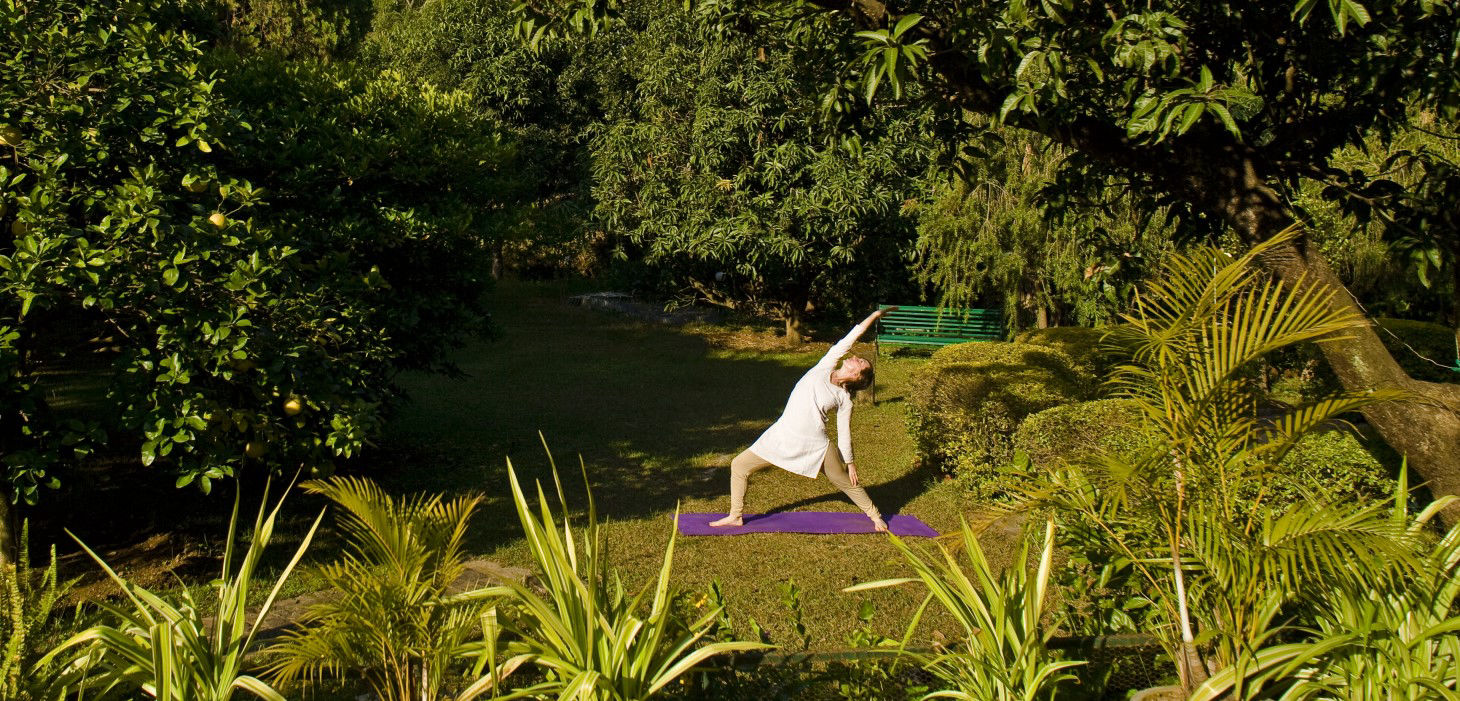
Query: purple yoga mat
x=823 y=522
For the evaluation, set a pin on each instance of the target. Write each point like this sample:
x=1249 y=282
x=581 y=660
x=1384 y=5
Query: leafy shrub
x=1060 y=433
x=1081 y=343
x=579 y=624
x=1432 y=341
x=966 y=402
x=1332 y=465
x=397 y=623
x=173 y=651
x=1325 y=464
x=1003 y=652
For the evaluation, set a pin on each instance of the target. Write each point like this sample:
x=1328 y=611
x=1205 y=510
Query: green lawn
x=656 y=412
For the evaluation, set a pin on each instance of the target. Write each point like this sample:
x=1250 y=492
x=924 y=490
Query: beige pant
x=836 y=471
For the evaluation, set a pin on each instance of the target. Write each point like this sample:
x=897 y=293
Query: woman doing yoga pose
x=797 y=441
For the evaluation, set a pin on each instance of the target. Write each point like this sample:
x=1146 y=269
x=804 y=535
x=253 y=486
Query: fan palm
x=394 y=620
x=1191 y=512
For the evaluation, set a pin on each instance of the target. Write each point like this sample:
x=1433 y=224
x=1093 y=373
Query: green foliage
x=302 y=29
x=1083 y=344
x=1387 y=637
x=543 y=99
x=591 y=638
x=1003 y=653
x=966 y=402
x=1065 y=434
x=1195 y=515
x=397 y=623
x=1425 y=351
x=147 y=255
x=711 y=165
x=28 y=625
x=1325 y=466
x=172 y=651
x=1001 y=232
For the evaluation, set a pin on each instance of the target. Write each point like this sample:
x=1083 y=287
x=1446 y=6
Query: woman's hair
x=862 y=382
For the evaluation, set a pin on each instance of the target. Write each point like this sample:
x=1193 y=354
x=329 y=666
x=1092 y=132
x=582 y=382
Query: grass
x=655 y=413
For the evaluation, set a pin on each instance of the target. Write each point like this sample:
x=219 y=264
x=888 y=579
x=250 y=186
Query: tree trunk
x=795 y=324
x=1427 y=430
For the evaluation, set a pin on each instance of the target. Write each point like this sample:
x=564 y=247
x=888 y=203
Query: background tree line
x=233 y=222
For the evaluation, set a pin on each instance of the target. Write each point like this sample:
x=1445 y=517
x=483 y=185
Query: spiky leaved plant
x=594 y=640
x=28 y=598
x=171 y=651
x=1002 y=655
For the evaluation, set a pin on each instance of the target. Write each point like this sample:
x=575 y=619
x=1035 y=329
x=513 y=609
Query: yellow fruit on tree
x=19 y=228
x=217 y=219
x=254 y=449
x=293 y=406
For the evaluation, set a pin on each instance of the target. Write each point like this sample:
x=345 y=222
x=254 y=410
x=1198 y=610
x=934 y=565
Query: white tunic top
x=797 y=441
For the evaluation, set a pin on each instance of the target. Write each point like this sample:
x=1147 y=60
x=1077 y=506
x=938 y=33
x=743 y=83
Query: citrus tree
x=216 y=261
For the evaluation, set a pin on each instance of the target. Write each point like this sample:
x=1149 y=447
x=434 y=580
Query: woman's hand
x=852 y=473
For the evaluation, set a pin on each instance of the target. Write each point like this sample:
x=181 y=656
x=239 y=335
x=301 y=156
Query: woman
x=797 y=441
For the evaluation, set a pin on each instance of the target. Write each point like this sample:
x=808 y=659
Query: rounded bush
x=1326 y=465
x=1330 y=465
x=966 y=402
x=1051 y=438
x=1433 y=341
x=1081 y=343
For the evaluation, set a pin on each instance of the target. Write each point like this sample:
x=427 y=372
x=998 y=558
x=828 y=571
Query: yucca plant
x=1388 y=638
x=1192 y=512
x=394 y=620
x=592 y=639
x=171 y=651
x=1002 y=655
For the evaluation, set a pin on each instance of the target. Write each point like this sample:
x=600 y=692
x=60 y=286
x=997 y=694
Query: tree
x=1220 y=109
x=543 y=100
x=712 y=164
x=1005 y=227
x=217 y=322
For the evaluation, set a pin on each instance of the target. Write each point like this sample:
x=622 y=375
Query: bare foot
x=728 y=521
x=877 y=524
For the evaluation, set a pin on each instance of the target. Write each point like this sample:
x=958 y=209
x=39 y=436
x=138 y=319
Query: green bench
x=932 y=326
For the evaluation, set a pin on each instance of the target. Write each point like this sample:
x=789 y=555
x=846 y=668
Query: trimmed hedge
x=1433 y=341
x=1057 y=434
x=966 y=402
x=1081 y=343
x=1329 y=464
